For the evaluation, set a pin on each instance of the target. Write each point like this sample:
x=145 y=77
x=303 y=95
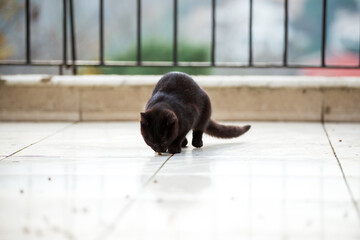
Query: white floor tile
x=345 y=138
x=76 y=180
x=101 y=181
x=15 y=136
x=277 y=182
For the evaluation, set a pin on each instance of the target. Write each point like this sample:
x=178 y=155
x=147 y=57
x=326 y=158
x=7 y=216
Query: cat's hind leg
x=202 y=123
x=197 y=138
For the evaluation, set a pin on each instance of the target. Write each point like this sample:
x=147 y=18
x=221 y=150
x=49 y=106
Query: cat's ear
x=171 y=119
x=143 y=119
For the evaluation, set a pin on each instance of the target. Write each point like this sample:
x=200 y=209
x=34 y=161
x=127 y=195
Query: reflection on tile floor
x=100 y=181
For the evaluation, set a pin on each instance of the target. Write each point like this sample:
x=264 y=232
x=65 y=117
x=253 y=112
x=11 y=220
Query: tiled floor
x=100 y=181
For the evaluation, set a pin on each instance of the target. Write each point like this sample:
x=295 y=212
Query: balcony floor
x=100 y=181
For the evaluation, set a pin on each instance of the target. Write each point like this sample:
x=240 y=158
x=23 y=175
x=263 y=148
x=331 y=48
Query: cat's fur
x=176 y=106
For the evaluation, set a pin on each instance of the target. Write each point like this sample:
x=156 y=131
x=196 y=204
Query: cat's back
x=176 y=82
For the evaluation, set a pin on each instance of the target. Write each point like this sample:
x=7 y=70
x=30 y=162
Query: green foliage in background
x=156 y=51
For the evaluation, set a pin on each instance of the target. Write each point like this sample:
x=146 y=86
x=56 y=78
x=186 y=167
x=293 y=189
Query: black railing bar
x=138 y=32
x=94 y=63
x=175 y=37
x=286 y=22
x=61 y=70
x=323 y=33
x=64 y=32
x=259 y=65
x=73 y=42
x=213 y=31
x=101 y=32
x=47 y=63
x=28 y=31
x=90 y=63
x=250 y=32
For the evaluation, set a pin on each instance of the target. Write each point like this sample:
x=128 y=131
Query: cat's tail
x=225 y=131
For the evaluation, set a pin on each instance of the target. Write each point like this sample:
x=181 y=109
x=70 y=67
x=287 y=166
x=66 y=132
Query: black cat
x=176 y=106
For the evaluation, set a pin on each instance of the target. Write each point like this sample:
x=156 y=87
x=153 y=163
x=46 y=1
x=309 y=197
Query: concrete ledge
x=113 y=97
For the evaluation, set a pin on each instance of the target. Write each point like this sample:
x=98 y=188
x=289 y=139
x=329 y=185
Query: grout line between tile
x=50 y=135
x=343 y=173
x=105 y=233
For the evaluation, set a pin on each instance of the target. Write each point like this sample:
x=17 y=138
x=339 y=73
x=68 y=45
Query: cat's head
x=159 y=128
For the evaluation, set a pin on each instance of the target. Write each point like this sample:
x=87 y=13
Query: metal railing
x=73 y=62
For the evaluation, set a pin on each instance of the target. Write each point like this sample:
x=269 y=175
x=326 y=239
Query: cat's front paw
x=174 y=149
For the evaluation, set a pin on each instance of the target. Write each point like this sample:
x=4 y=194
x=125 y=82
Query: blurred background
x=194 y=34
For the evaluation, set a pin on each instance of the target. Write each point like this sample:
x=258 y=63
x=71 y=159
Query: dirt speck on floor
x=26 y=230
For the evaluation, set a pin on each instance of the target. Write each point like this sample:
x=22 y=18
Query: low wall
x=113 y=97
